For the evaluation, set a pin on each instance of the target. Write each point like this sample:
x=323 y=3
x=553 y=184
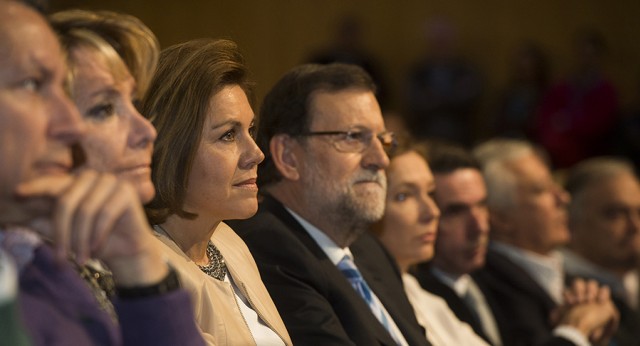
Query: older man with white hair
x=523 y=269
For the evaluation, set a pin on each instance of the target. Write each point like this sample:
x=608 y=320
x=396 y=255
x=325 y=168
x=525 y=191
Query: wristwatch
x=168 y=284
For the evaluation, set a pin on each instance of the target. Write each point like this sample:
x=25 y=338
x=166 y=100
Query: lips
x=428 y=237
x=249 y=183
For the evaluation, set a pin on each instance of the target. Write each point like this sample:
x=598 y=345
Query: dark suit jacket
x=628 y=333
x=316 y=302
x=431 y=283
x=525 y=306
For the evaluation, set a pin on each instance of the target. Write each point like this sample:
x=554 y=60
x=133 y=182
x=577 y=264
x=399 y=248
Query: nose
x=375 y=157
x=562 y=196
x=65 y=123
x=429 y=210
x=142 y=133
x=252 y=155
x=634 y=221
x=479 y=220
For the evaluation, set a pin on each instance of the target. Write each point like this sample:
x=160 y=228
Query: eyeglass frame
x=367 y=134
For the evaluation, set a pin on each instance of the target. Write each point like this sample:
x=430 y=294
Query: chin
x=426 y=255
x=243 y=211
x=146 y=192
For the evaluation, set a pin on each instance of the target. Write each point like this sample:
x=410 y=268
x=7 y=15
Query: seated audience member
x=463 y=236
x=408 y=231
x=204 y=171
x=523 y=268
x=604 y=219
x=71 y=217
x=111 y=58
x=324 y=184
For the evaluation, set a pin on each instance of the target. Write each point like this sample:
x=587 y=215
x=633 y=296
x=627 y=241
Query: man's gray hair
x=494 y=156
x=590 y=172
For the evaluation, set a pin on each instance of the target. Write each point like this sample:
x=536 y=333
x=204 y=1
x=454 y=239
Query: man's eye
x=355 y=136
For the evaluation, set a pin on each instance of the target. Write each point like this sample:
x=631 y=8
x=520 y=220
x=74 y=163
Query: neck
x=341 y=232
x=444 y=268
x=404 y=266
x=191 y=236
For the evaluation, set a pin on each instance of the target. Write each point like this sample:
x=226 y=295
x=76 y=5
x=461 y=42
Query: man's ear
x=283 y=154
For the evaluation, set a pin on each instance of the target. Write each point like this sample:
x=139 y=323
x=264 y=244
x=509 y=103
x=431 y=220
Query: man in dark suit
x=604 y=219
x=463 y=235
x=323 y=182
x=523 y=270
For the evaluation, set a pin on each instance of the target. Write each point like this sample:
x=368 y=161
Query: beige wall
x=278 y=34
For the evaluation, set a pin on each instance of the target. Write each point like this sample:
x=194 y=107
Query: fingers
x=592 y=289
x=118 y=204
x=84 y=210
x=88 y=211
x=604 y=294
x=65 y=213
x=49 y=186
x=582 y=291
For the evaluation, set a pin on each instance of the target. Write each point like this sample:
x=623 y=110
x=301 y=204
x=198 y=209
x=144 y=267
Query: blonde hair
x=123 y=40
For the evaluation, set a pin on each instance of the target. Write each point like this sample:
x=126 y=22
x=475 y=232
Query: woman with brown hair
x=204 y=171
x=408 y=230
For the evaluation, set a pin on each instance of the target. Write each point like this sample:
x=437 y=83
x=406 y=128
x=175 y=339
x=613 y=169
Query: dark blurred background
x=488 y=64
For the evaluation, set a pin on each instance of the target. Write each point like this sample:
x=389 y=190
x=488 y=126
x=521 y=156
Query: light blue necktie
x=351 y=272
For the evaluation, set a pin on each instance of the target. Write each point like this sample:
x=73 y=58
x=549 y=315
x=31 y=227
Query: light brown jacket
x=214 y=303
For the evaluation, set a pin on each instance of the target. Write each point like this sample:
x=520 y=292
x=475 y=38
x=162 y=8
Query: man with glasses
x=323 y=183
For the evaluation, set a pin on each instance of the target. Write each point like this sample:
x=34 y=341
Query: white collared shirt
x=461 y=285
x=546 y=271
x=335 y=254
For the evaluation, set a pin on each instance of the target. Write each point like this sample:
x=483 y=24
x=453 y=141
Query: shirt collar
x=459 y=284
x=547 y=271
x=330 y=248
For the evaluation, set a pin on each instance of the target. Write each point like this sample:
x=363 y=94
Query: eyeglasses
x=357 y=140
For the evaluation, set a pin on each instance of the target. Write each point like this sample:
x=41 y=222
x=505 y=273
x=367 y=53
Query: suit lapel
x=332 y=272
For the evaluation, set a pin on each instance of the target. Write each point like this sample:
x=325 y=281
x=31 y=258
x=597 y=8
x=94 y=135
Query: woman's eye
x=253 y=131
x=101 y=111
x=401 y=197
x=229 y=136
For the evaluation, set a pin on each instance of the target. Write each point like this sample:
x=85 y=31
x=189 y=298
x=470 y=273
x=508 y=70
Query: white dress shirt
x=433 y=313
